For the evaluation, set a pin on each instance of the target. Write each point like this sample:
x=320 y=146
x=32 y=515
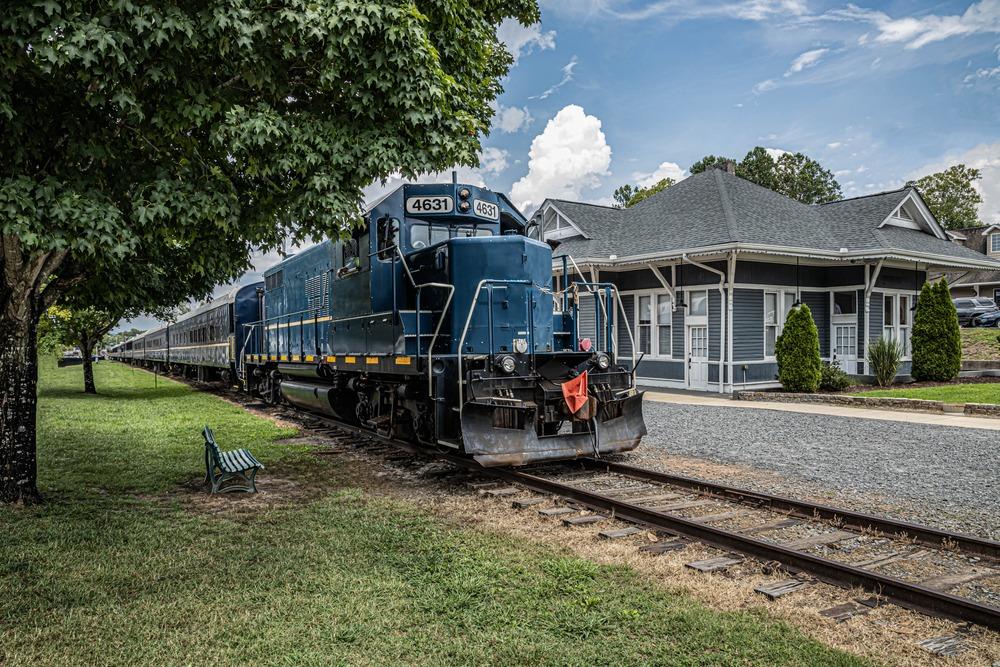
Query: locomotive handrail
x=628 y=327
x=437 y=329
x=468 y=321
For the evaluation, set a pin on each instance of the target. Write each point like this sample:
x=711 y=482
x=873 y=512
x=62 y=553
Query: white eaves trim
x=930 y=223
x=811 y=253
x=547 y=204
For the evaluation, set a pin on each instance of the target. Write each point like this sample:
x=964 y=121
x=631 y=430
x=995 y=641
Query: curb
x=872 y=402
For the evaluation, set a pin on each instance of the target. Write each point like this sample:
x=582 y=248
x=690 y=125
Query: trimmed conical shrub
x=936 y=340
x=797 y=352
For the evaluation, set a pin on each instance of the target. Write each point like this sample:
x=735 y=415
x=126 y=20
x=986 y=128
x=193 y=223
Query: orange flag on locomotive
x=575 y=392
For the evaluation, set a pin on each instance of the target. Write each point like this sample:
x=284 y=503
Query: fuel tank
x=313 y=397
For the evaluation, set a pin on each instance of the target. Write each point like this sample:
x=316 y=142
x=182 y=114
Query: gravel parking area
x=939 y=475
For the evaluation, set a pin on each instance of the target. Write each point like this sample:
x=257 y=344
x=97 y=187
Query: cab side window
x=387 y=230
x=355 y=254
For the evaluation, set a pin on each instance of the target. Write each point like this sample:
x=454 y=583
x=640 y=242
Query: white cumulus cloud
x=807 y=59
x=512 y=119
x=521 y=40
x=569 y=157
x=986 y=158
x=670 y=170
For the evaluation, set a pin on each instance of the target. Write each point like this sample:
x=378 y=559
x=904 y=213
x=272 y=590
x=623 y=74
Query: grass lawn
x=980 y=343
x=117 y=569
x=984 y=392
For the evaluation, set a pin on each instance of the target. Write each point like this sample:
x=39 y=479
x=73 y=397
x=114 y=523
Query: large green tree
x=952 y=196
x=794 y=175
x=630 y=195
x=146 y=144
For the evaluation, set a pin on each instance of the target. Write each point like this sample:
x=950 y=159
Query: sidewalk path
x=910 y=417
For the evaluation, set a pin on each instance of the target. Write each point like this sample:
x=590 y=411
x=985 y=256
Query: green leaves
x=952 y=196
x=160 y=142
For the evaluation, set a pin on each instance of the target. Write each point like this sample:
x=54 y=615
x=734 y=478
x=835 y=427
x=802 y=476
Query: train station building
x=708 y=269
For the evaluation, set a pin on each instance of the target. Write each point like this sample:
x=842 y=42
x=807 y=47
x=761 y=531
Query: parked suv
x=970 y=308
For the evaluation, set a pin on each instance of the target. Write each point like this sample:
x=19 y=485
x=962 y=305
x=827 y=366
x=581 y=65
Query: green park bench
x=233 y=465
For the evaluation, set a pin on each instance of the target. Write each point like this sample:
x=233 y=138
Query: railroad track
x=742 y=524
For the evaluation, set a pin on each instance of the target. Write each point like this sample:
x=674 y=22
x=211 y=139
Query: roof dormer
x=556 y=225
x=912 y=213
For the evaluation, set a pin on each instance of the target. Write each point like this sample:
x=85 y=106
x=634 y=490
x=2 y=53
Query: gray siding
x=819 y=305
x=748 y=325
x=749 y=373
x=661 y=370
x=714 y=319
x=770 y=273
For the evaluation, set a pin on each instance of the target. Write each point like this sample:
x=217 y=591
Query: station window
x=845 y=303
x=776 y=307
x=652 y=326
x=896 y=320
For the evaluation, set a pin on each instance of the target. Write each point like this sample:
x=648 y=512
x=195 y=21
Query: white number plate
x=484 y=209
x=429 y=204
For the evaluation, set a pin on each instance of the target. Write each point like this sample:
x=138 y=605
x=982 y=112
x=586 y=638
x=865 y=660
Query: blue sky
x=606 y=92
x=877 y=93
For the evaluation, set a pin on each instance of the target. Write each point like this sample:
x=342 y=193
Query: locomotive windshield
x=424 y=235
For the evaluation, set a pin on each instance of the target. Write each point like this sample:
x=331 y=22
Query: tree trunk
x=18 y=398
x=87 y=350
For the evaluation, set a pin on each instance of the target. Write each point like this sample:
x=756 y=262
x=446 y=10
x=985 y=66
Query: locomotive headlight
x=603 y=361
x=464 y=193
x=507 y=364
x=464 y=206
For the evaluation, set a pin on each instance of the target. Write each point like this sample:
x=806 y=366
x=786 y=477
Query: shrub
x=885 y=355
x=833 y=378
x=797 y=352
x=936 y=340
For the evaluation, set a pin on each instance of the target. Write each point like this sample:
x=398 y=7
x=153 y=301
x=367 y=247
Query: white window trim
x=844 y=318
x=995 y=242
x=894 y=295
x=654 y=353
x=780 y=316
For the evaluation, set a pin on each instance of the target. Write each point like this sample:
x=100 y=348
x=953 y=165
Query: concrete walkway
x=914 y=417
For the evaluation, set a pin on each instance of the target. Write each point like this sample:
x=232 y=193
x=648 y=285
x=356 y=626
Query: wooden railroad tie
x=584 y=520
x=714 y=564
x=620 y=533
x=524 y=503
x=779 y=588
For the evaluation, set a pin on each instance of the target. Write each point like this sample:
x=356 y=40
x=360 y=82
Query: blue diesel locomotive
x=437 y=321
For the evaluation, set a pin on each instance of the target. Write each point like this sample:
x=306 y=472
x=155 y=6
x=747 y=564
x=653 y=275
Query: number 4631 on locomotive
x=439 y=321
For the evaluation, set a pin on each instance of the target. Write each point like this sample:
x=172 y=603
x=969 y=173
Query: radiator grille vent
x=317 y=292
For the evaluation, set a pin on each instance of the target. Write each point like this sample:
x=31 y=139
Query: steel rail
x=849 y=519
x=903 y=593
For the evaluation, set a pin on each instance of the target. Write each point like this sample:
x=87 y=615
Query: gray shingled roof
x=975 y=239
x=715 y=208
